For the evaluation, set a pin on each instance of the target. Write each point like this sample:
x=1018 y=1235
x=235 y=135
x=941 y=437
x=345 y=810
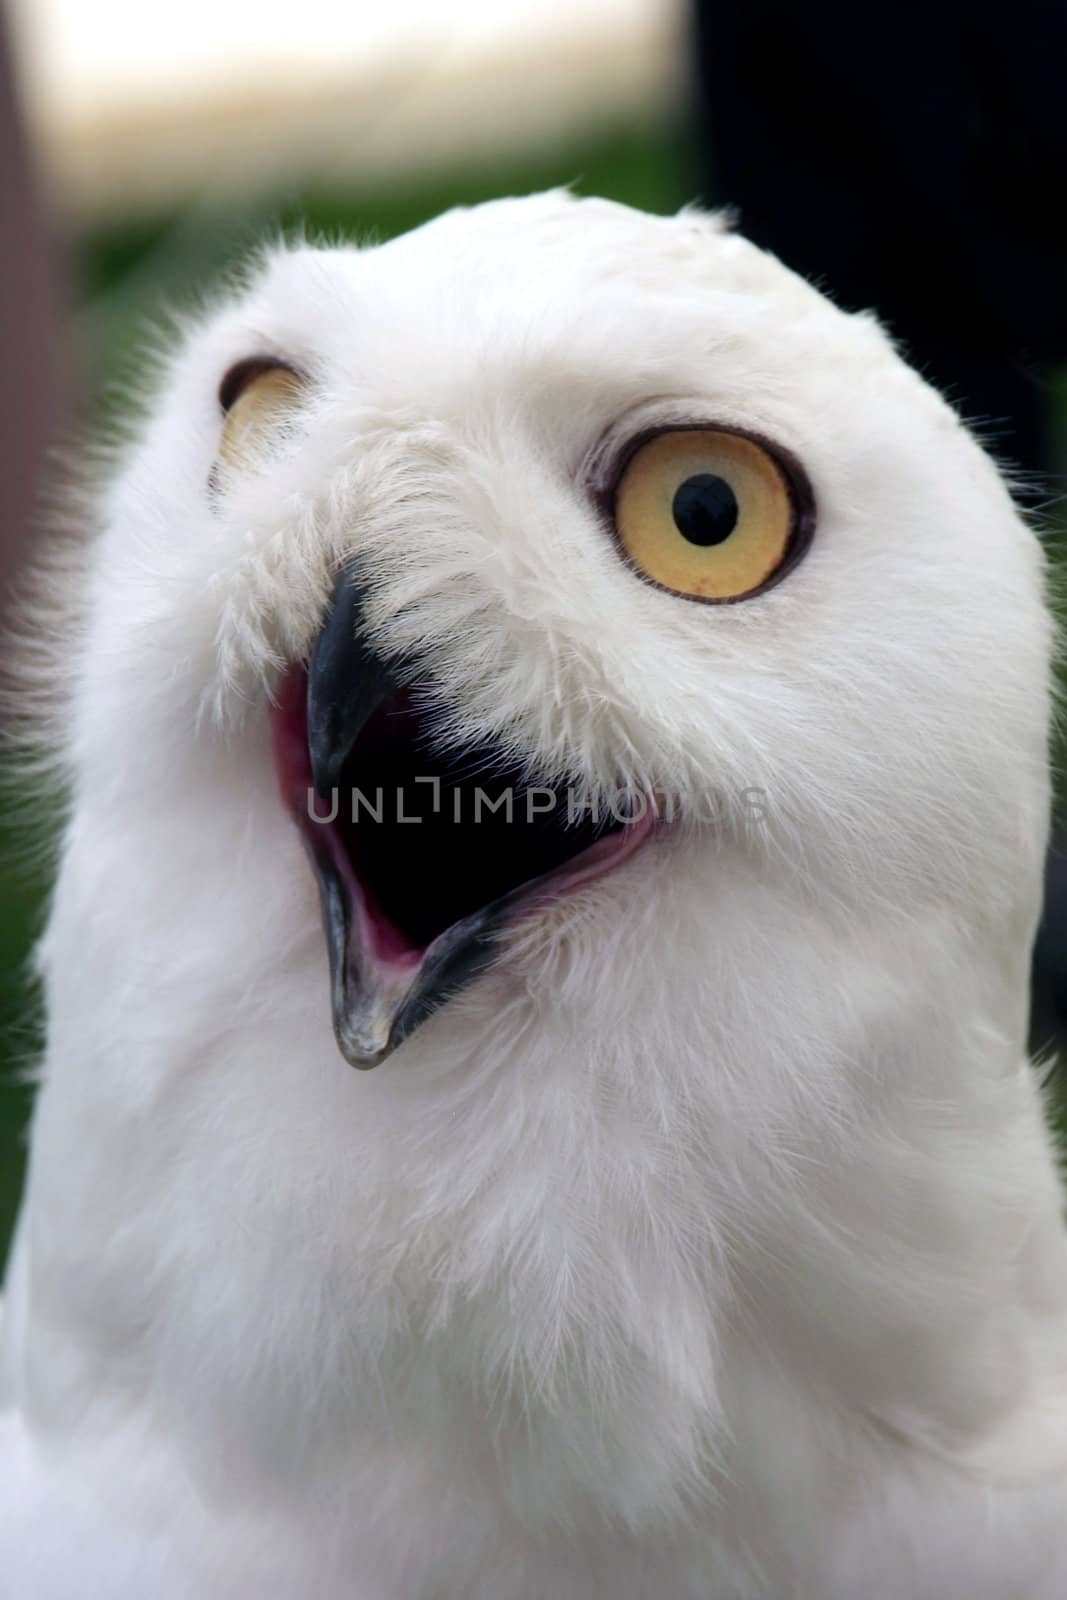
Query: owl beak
x=347 y=682
x=413 y=901
x=383 y=984
x=379 y=997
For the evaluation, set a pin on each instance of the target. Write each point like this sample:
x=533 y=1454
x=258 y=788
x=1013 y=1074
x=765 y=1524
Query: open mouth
x=423 y=856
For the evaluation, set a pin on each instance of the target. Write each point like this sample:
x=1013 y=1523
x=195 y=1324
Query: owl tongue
x=423 y=855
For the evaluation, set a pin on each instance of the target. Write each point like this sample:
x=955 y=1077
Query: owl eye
x=711 y=514
x=256 y=396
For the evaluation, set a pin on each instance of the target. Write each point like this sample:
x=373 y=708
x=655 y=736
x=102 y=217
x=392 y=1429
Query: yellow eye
x=707 y=513
x=257 y=396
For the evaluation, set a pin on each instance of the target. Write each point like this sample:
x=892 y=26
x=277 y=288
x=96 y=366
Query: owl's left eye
x=710 y=514
x=257 y=397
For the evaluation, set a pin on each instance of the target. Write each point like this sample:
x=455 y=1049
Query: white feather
x=710 y=1244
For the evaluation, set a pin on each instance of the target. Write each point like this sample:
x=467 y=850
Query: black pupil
x=705 y=509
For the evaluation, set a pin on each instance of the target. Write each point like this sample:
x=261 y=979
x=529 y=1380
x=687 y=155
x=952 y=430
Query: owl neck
x=701 y=1137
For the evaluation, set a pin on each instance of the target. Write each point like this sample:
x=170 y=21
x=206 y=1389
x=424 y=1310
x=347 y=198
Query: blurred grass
x=21 y=895
x=122 y=278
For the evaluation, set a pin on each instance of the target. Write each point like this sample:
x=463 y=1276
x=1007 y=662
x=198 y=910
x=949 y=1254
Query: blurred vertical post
x=29 y=387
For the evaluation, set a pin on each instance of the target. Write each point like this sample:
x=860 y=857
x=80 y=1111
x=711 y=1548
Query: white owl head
x=608 y=505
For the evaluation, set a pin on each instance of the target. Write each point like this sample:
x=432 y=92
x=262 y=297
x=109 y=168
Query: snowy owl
x=560 y=666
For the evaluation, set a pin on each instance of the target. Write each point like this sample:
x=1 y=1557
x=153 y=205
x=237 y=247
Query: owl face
x=563 y=548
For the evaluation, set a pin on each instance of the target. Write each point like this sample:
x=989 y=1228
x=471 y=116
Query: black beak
x=347 y=682
x=411 y=914
x=375 y=1007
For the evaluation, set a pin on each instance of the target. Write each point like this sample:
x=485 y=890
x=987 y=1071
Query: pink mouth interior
x=423 y=840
